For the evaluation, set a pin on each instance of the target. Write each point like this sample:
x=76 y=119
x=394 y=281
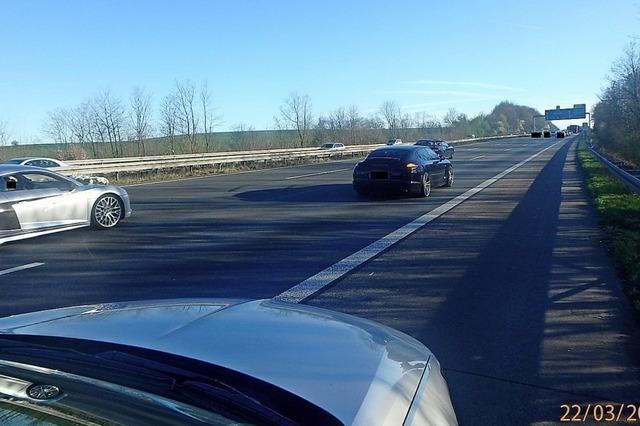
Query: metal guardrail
x=631 y=181
x=116 y=166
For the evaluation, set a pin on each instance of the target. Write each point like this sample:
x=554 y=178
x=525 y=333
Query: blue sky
x=426 y=55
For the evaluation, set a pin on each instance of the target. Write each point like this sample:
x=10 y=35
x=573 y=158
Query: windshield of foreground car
x=144 y=383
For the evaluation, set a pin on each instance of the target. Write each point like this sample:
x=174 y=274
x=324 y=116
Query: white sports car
x=47 y=163
x=35 y=201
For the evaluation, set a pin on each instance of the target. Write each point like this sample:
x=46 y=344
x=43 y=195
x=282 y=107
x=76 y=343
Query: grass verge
x=619 y=212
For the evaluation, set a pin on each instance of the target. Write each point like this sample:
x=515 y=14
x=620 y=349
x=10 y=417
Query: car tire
x=448 y=180
x=425 y=186
x=107 y=211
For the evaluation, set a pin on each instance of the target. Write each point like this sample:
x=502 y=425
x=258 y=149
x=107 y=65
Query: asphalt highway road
x=510 y=288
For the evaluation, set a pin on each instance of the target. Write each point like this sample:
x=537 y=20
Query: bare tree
x=406 y=121
x=626 y=78
x=205 y=104
x=187 y=118
x=426 y=121
x=209 y=120
x=451 y=117
x=169 y=119
x=332 y=126
x=295 y=113
x=58 y=126
x=109 y=118
x=82 y=122
x=617 y=114
x=338 y=119
x=391 y=114
x=140 y=117
x=4 y=133
x=354 y=124
x=243 y=137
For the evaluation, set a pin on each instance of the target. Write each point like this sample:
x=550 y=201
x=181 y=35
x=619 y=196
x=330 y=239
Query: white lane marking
x=475 y=158
x=21 y=268
x=317 y=282
x=316 y=174
x=508 y=149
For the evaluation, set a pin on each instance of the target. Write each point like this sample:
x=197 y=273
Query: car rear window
x=389 y=153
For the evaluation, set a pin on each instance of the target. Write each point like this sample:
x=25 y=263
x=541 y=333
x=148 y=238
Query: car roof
x=16 y=168
x=400 y=147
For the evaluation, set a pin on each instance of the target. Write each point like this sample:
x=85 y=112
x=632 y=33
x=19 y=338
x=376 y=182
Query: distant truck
x=573 y=129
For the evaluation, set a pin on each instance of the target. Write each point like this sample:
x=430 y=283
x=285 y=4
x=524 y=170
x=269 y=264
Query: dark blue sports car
x=439 y=146
x=410 y=169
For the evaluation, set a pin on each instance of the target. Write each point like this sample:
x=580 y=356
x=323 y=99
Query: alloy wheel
x=108 y=211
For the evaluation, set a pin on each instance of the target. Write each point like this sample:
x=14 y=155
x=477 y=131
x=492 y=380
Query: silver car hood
x=359 y=371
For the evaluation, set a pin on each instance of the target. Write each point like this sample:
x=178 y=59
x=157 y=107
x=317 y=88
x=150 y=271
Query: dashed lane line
x=316 y=174
x=21 y=268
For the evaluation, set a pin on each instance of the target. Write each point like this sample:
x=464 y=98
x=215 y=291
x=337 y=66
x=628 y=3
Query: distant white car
x=46 y=163
x=392 y=142
x=332 y=146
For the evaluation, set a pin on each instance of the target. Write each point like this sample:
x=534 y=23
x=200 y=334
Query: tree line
x=617 y=114
x=106 y=120
x=185 y=119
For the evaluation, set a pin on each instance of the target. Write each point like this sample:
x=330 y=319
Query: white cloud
x=458 y=93
x=448 y=104
x=476 y=84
